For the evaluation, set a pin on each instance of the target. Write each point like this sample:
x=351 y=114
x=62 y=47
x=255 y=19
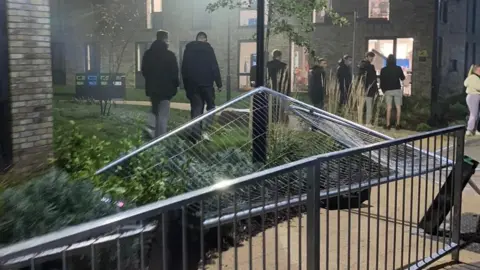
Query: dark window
x=58 y=63
x=452 y=65
x=440 y=52
x=474 y=17
x=474 y=53
x=5 y=111
x=466 y=60
x=444 y=11
x=467 y=23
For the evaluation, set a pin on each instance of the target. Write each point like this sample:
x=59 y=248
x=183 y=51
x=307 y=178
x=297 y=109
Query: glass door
x=402 y=49
x=247 y=59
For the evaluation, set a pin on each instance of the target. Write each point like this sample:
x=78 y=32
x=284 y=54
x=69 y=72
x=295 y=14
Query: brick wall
x=30 y=82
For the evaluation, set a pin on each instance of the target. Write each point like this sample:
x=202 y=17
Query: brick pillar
x=30 y=82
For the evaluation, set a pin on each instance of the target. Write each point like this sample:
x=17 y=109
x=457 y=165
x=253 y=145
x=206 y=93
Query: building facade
x=416 y=32
x=25 y=84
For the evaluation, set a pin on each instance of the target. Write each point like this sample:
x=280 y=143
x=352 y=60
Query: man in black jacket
x=317 y=83
x=344 y=77
x=368 y=75
x=390 y=83
x=160 y=69
x=199 y=72
x=278 y=79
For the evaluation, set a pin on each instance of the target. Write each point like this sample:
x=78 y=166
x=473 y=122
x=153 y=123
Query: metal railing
x=371 y=224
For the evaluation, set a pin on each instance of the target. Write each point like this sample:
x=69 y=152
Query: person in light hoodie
x=472 y=83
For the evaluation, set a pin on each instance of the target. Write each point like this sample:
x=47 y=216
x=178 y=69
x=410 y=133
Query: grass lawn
x=123 y=118
x=68 y=92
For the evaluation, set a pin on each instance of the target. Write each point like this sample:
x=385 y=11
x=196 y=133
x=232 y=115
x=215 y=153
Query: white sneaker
x=469 y=133
x=206 y=137
x=369 y=126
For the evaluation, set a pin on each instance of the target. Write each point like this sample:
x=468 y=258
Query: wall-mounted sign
x=422 y=55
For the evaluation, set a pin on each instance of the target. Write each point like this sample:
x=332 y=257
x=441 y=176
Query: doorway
x=59 y=75
x=402 y=48
x=6 y=155
x=247 y=58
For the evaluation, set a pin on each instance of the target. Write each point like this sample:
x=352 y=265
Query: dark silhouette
x=199 y=72
x=160 y=69
x=317 y=81
x=390 y=83
x=344 y=77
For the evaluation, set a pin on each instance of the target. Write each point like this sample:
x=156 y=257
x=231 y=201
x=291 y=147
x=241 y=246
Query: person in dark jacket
x=344 y=77
x=199 y=72
x=278 y=79
x=317 y=80
x=368 y=75
x=253 y=76
x=160 y=69
x=390 y=83
x=278 y=74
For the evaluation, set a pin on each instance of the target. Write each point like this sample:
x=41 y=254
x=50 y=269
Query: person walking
x=344 y=77
x=472 y=83
x=199 y=72
x=160 y=70
x=391 y=77
x=368 y=75
x=278 y=79
x=317 y=80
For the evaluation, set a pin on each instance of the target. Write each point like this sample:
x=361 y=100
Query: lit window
x=379 y=9
x=149 y=13
x=248 y=15
x=89 y=57
x=139 y=58
x=157 y=6
x=319 y=16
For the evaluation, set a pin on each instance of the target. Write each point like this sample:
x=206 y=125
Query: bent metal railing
x=309 y=230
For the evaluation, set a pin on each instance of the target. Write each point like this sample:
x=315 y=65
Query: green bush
x=423 y=127
x=48 y=203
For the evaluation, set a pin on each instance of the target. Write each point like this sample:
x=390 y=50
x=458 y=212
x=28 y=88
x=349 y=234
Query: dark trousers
x=199 y=97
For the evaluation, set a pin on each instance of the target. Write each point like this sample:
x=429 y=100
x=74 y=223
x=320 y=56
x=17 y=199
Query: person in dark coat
x=368 y=75
x=317 y=81
x=278 y=79
x=390 y=83
x=253 y=76
x=344 y=77
x=160 y=69
x=199 y=72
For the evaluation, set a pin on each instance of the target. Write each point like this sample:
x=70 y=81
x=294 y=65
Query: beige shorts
x=394 y=96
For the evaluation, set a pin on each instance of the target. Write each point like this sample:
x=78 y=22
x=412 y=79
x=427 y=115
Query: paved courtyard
x=397 y=244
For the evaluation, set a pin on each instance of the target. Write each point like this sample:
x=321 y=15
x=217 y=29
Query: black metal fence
x=398 y=218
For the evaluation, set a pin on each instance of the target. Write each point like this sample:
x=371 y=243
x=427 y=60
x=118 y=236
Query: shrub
x=48 y=203
x=423 y=127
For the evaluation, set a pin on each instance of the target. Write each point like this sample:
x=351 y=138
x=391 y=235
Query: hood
x=276 y=64
x=198 y=46
x=363 y=63
x=158 y=46
x=341 y=62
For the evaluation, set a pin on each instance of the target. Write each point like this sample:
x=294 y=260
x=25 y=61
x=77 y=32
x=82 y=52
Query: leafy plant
x=48 y=203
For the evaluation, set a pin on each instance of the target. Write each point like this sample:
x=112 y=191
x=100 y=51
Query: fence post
x=313 y=217
x=457 y=192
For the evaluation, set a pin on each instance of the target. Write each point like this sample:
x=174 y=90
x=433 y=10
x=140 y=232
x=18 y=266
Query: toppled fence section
x=281 y=217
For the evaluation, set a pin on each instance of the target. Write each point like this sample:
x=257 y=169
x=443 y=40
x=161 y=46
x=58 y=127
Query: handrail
x=94 y=228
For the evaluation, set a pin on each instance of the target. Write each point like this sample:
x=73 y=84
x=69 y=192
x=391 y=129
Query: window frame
x=325 y=16
x=253 y=7
x=370 y=18
x=243 y=74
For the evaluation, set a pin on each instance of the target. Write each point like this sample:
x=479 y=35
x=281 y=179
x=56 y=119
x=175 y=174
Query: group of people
x=391 y=78
x=199 y=71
